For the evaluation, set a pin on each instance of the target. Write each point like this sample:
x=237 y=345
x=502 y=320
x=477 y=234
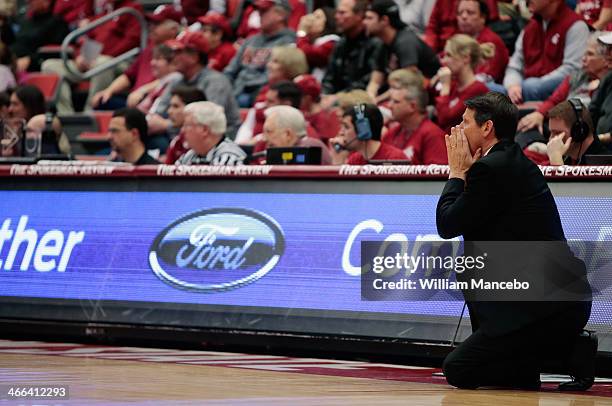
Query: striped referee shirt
x=226 y=152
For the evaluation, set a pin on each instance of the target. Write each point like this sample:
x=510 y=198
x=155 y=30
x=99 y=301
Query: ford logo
x=217 y=250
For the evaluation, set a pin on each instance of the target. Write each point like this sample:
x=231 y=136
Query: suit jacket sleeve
x=466 y=205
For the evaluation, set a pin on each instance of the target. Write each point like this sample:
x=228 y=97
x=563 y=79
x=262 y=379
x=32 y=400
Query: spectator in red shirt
x=218 y=32
x=163 y=26
x=472 y=16
x=596 y=13
x=116 y=37
x=456 y=80
x=317 y=37
x=421 y=140
x=324 y=121
x=443 y=22
x=73 y=11
x=358 y=141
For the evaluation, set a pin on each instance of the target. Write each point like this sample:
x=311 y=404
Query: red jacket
x=326 y=124
x=119 y=35
x=559 y=95
x=317 y=55
x=386 y=152
x=591 y=9
x=140 y=72
x=496 y=66
x=72 y=11
x=450 y=108
x=424 y=146
x=443 y=22
x=543 y=51
x=220 y=57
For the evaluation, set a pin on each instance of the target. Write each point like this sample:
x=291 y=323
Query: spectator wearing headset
x=360 y=136
x=571 y=134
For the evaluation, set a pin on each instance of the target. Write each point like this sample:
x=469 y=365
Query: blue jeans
x=534 y=89
x=539 y=89
x=496 y=87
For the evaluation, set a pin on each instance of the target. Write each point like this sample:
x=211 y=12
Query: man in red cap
x=324 y=122
x=247 y=70
x=217 y=31
x=191 y=60
x=164 y=24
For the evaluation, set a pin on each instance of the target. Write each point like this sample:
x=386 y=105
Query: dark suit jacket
x=504 y=198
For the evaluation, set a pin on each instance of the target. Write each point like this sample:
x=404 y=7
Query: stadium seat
x=48 y=83
x=93 y=141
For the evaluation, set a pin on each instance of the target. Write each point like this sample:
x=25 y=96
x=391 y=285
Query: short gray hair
x=416 y=93
x=209 y=114
x=602 y=49
x=288 y=117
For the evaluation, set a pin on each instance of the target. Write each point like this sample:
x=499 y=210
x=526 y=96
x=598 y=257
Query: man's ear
x=135 y=133
x=488 y=128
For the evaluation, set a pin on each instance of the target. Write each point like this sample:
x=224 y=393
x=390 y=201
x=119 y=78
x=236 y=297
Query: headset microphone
x=339 y=147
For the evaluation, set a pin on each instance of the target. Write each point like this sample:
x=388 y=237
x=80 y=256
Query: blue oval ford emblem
x=217 y=249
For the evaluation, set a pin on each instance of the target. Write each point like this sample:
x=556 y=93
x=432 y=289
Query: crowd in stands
x=366 y=81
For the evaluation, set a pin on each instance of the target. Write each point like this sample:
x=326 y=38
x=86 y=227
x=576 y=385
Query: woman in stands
x=286 y=63
x=317 y=39
x=28 y=101
x=456 y=80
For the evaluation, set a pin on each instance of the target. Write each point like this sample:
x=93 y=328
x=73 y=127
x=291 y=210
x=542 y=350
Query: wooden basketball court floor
x=97 y=375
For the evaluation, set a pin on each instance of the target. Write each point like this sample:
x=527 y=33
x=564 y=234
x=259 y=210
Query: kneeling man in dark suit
x=495 y=193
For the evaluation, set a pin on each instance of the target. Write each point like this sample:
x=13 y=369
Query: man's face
x=175 y=111
x=184 y=59
x=160 y=66
x=473 y=132
x=592 y=62
x=275 y=136
x=535 y=6
x=271 y=19
x=469 y=19
x=558 y=126
x=120 y=138
x=372 y=23
x=346 y=19
x=400 y=107
x=195 y=133
x=272 y=98
x=213 y=35
x=347 y=133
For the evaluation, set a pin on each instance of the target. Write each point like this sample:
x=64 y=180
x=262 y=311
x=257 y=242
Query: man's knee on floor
x=457 y=375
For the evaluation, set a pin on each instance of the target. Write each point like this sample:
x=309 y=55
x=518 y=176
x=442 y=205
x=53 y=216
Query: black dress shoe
x=577 y=384
x=582 y=363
